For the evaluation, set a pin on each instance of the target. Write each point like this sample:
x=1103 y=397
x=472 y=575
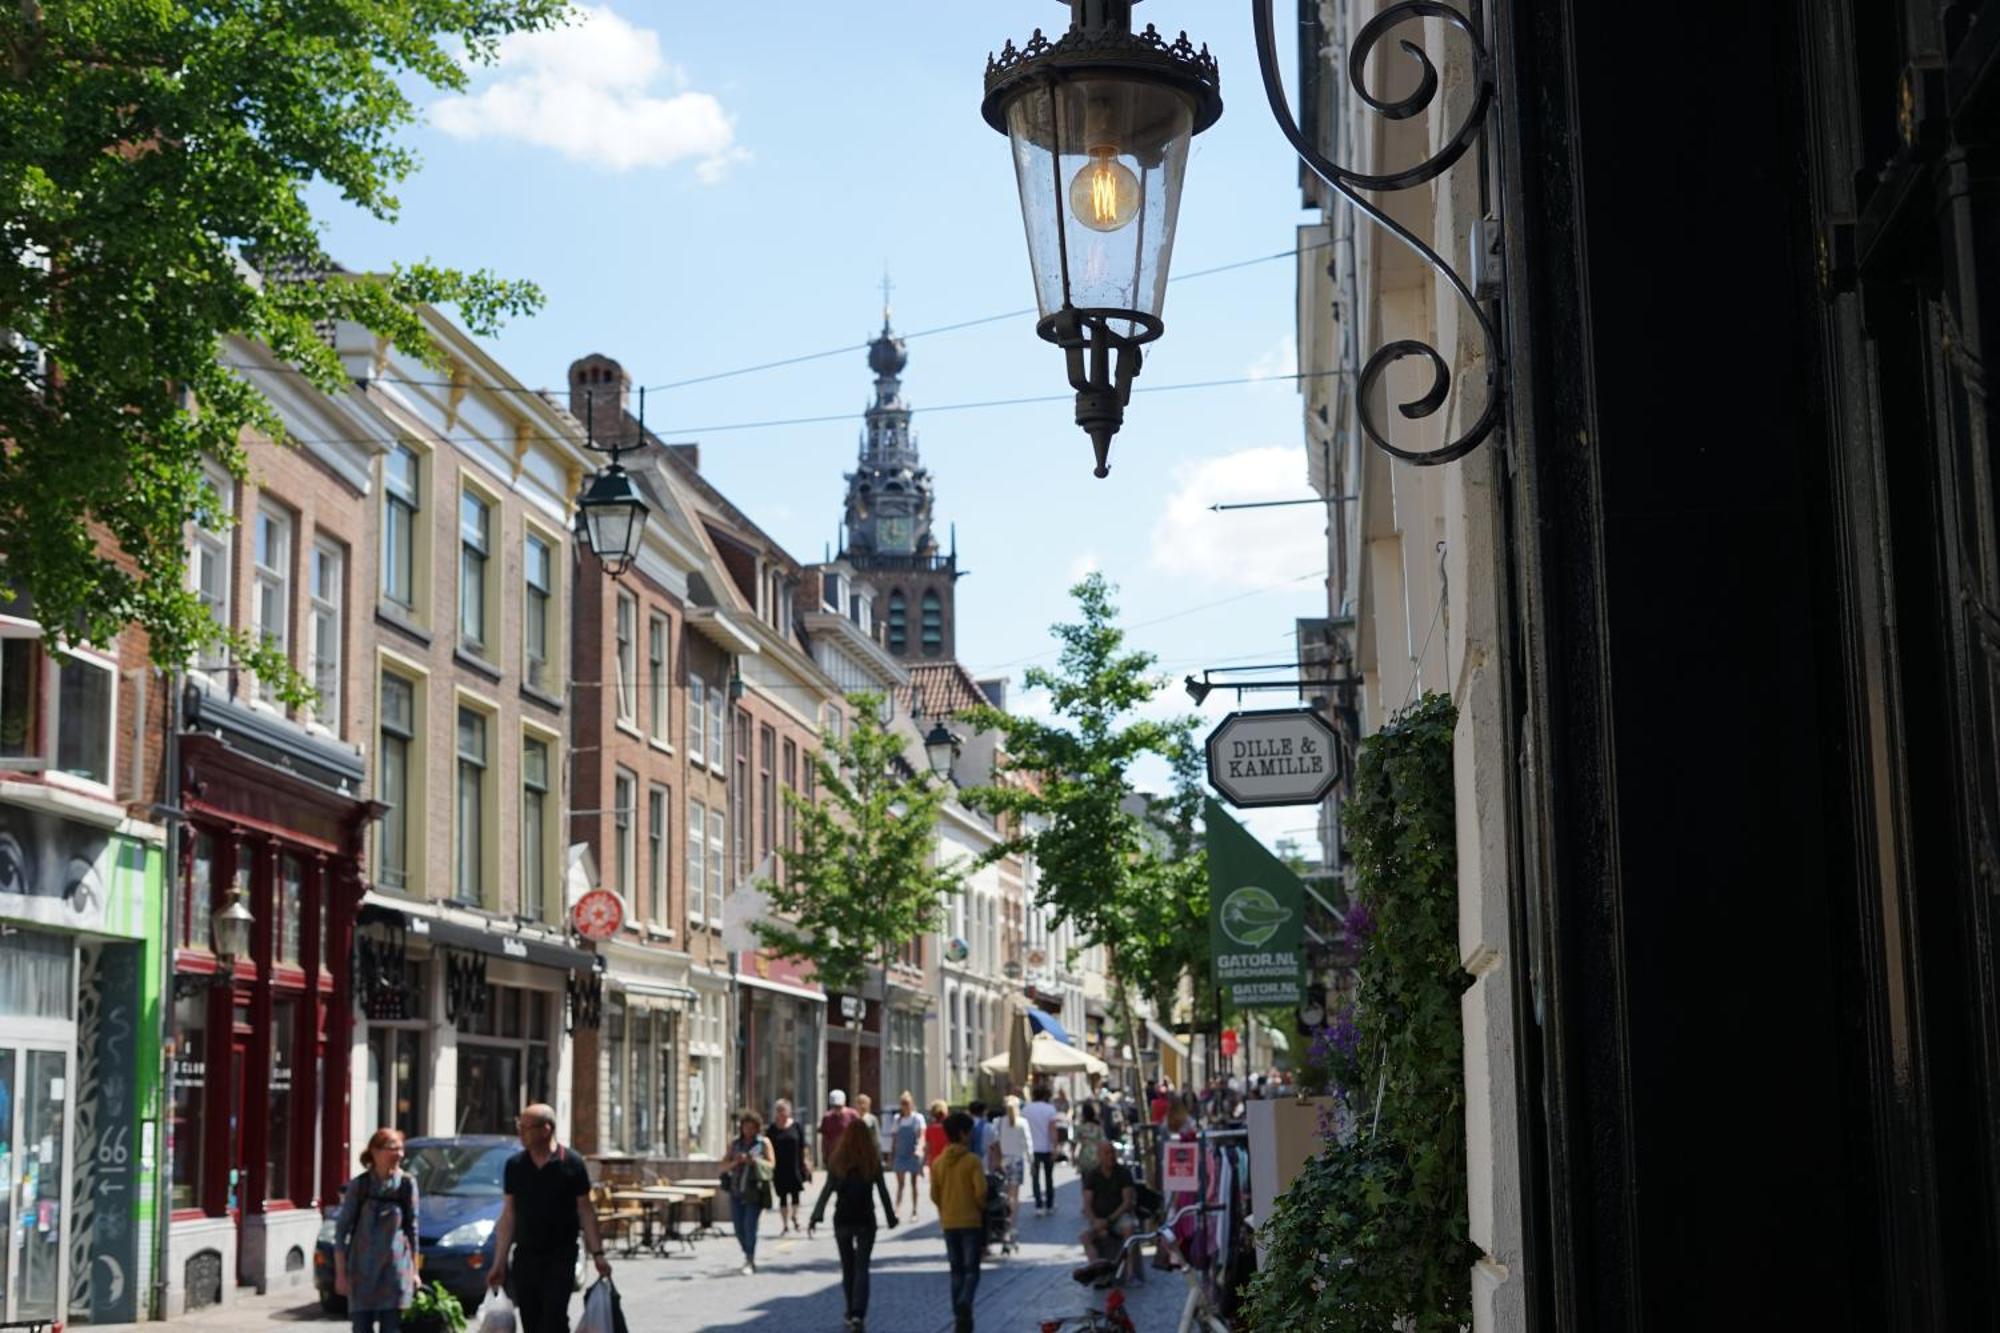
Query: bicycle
x=1197 y=1316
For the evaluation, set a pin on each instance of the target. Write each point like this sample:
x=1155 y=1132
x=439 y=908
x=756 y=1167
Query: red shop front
x=258 y=1137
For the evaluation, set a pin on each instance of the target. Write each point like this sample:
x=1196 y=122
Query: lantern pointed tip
x=1100 y=441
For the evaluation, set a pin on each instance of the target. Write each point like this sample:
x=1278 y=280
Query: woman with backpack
x=375 y=1238
x=748 y=1169
x=854 y=1181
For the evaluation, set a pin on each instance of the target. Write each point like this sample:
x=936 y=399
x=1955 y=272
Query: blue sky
x=701 y=187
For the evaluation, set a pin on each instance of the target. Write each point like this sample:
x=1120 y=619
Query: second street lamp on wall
x=230 y=927
x=1100 y=122
x=940 y=748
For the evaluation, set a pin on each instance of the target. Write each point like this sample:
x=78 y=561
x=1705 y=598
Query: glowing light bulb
x=1104 y=196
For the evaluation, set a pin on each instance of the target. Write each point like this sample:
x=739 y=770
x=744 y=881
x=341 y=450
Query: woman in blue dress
x=375 y=1238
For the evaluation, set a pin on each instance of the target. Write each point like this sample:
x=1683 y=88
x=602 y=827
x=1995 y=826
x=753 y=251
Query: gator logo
x=1251 y=916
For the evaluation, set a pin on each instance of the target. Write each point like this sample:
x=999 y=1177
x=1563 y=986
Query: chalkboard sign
x=114 y=1173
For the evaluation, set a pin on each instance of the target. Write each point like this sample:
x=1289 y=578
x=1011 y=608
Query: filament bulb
x=1104 y=196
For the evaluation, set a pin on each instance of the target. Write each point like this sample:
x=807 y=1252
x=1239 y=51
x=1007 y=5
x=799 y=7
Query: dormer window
x=829 y=588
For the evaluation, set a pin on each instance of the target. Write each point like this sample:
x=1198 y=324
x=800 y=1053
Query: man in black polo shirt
x=547 y=1205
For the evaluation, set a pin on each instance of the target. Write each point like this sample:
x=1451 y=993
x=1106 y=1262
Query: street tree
x=154 y=161
x=1113 y=872
x=865 y=878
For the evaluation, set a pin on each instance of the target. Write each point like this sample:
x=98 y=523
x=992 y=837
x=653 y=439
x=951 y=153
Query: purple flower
x=1360 y=925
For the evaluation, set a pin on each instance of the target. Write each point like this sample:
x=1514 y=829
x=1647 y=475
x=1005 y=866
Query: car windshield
x=445 y=1168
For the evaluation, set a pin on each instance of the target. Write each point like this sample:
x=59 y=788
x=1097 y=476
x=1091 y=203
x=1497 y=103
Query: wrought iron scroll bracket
x=1348 y=185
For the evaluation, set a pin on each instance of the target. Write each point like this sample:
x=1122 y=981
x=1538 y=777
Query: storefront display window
x=396 y=1078
x=642 y=1081
x=615 y=1052
x=35 y=975
x=201 y=893
x=278 y=1140
x=190 y=1095
x=290 y=910
x=503 y=1059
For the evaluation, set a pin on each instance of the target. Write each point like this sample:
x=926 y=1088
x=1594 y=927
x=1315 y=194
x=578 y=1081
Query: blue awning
x=1048 y=1023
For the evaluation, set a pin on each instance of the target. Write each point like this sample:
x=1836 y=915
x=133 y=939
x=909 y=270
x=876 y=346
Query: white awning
x=797 y=992
x=661 y=990
x=1166 y=1038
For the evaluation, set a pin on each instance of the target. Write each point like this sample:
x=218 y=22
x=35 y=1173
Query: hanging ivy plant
x=1376 y=1225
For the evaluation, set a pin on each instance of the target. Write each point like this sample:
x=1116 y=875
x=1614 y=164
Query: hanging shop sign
x=598 y=915
x=1256 y=917
x=1280 y=756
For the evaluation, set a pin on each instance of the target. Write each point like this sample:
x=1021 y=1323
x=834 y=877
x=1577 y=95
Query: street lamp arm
x=1348 y=183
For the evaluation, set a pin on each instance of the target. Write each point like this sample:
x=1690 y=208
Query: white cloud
x=598 y=91
x=1086 y=562
x=1244 y=548
x=1280 y=363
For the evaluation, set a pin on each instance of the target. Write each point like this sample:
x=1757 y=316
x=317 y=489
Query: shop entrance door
x=34 y=1147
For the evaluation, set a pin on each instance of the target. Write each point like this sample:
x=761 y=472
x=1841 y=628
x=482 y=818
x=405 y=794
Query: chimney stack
x=599 y=385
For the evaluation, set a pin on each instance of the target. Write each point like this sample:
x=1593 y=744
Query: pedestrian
x=906 y=1130
x=375 y=1238
x=794 y=1164
x=934 y=1135
x=1089 y=1133
x=981 y=1143
x=864 y=1110
x=854 y=1179
x=958 y=1191
x=1110 y=1206
x=1157 y=1106
x=834 y=1123
x=1042 y=1118
x=1013 y=1141
x=748 y=1168
x=546 y=1205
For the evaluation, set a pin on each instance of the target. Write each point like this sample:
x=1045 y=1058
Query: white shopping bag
x=599 y=1315
x=496 y=1314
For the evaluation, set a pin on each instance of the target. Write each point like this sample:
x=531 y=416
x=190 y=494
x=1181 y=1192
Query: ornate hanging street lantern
x=611 y=514
x=1100 y=121
x=229 y=928
x=940 y=749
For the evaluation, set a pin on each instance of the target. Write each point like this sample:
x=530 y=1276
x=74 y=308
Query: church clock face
x=897 y=533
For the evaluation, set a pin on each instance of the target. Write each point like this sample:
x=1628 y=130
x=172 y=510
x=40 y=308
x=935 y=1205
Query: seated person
x=1110 y=1205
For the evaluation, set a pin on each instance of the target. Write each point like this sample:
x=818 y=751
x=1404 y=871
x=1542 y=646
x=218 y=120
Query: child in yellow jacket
x=958 y=1190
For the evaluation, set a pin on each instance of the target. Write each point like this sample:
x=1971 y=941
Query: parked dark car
x=459 y=1192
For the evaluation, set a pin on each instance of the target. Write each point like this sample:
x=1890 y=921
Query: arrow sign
x=1280 y=756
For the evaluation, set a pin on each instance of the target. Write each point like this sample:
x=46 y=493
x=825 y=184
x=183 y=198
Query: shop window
x=616 y=1052
x=272 y=600
x=697 y=860
x=537 y=574
x=278 y=1128
x=190 y=1097
x=326 y=589
x=288 y=910
x=624 y=657
x=397 y=1076
x=643 y=1053
x=395 y=771
x=402 y=496
x=475 y=529
x=201 y=892
x=656 y=679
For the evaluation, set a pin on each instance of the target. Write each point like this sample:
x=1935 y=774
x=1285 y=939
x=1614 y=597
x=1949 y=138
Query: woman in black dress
x=788 y=1181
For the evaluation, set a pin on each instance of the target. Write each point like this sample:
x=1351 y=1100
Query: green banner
x=1257 y=917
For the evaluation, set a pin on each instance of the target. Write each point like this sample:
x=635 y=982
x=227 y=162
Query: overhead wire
x=844 y=350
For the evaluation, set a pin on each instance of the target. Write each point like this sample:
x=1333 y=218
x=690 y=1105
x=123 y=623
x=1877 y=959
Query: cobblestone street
x=797 y=1285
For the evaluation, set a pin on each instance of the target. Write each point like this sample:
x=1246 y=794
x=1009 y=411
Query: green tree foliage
x=154 y=158
x=864 y=880
x=1169 y=938
x=1117 y=875
x=1372 y=1235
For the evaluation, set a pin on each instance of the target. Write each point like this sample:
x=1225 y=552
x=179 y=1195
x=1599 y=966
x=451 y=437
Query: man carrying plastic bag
x=602 y=1310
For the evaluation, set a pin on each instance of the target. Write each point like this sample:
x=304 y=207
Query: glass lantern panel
x=1100 y=164
x=611 y=530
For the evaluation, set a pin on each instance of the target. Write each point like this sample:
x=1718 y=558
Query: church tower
x=888 y=536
